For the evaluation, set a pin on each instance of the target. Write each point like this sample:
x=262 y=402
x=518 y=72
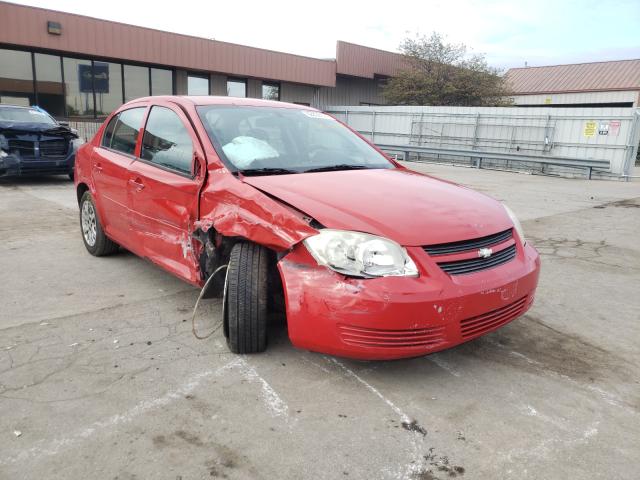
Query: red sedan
x=279 y=206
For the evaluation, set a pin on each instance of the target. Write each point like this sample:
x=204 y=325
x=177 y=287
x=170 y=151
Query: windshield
x=271 y=140
x=25 y=115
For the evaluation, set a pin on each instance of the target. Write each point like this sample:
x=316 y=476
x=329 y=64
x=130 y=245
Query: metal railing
x=478 y=157
x=603 y=140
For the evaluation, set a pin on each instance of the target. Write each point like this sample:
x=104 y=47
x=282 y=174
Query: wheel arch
x=80 y=190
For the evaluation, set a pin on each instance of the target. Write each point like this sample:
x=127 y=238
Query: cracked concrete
x=101 y=375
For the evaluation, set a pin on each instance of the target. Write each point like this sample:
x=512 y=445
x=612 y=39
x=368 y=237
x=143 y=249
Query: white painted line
x=274 y=403
x=403 y=416
x=53 y=447
x=418 y=444
x=443 y=364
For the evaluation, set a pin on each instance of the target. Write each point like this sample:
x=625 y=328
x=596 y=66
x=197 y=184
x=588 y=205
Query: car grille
x=25 y=148
x=486 y=322
x=371 y=337
x=466 y=245
x=461 y=267
x=54 y=148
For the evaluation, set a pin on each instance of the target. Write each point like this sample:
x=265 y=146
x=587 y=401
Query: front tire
x=93 y=236
x=246 y=298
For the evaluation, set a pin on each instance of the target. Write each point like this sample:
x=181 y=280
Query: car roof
x=219 y=100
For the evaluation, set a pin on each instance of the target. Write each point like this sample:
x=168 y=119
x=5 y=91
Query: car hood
x=29 y=127
x=408 y=207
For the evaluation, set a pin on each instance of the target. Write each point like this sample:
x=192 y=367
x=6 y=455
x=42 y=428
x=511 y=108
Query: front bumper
x=13 y=165
x=401 y=317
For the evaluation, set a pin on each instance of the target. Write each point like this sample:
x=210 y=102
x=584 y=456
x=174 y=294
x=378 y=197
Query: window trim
x=271 y=84
x=238 y=80
x=203 y=76
x=115 y=117
x=182 y=173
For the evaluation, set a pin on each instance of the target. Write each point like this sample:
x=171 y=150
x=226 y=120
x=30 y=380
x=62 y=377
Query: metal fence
x=542 y=139
x=86 y=129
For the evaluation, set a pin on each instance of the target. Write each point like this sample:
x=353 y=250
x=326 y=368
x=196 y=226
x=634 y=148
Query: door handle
x=97 y=167
x=137 y=183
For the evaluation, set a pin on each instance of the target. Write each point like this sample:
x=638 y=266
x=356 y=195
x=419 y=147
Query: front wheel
x=94 y=238
x=246 y=298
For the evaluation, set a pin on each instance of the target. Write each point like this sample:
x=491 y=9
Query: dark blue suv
x=33 y=142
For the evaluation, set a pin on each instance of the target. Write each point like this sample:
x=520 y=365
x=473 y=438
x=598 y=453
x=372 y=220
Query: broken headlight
x=516 y=224
x=360 y=254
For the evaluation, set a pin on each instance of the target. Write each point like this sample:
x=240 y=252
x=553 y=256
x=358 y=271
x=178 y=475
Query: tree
x=441 y=73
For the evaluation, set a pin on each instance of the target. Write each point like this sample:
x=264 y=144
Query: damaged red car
x=365 y=258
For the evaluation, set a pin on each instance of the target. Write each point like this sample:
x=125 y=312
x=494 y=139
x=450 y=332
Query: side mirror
x=64 y=124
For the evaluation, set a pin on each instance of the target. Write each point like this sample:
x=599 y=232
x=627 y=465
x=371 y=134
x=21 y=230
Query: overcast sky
x=509 y=32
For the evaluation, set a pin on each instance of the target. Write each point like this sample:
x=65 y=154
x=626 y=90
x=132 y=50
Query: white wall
x=532 y=131
x=573 y=98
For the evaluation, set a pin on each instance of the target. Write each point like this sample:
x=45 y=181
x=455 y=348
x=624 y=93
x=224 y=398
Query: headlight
x=77 y=143
x=360 y=254
x=516 y=224
x=4 y=143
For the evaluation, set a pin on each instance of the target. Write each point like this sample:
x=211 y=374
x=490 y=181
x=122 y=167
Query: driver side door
x=164 y=187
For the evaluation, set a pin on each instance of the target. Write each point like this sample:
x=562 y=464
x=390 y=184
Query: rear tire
x=93 y=236
x=246 y=298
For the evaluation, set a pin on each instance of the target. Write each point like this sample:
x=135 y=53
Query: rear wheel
x=246 y=298
x=94 y=238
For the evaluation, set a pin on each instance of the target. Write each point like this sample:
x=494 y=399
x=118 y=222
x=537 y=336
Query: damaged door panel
x=163 y=187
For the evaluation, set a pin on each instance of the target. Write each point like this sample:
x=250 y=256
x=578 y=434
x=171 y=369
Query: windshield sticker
x=313 y=114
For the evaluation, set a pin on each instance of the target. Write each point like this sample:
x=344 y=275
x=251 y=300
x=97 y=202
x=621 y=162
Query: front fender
x=236 y=209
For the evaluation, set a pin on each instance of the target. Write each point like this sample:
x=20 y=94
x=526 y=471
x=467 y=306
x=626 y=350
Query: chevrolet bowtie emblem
x=485 y=252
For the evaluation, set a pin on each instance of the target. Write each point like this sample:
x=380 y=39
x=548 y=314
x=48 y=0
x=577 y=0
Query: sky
x=508 y=32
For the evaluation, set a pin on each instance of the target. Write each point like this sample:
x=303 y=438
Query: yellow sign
x=590 y=129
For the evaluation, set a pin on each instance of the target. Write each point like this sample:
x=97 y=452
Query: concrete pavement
x=100 y=376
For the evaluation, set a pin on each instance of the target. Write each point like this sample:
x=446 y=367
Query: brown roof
x=360 y=61
x=27 y=26
x=579 y=77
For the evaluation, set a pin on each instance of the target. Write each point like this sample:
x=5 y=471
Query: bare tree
x=441 y=73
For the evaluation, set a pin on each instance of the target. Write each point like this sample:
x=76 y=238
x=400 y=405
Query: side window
x=166 y=141
x=108 y=132
x=122 y=132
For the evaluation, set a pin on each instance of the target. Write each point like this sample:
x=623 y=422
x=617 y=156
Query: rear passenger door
x=110 y=171
x=164 y=187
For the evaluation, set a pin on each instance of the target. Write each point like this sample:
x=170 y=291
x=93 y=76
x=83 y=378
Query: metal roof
x=361 y=61
x=25 y=26
x=574 y=78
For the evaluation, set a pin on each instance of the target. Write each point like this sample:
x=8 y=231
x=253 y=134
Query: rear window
x=25 y=115
x=122 y=131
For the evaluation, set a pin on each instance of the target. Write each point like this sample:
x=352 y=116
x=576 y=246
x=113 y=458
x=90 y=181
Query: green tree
x=441 y=73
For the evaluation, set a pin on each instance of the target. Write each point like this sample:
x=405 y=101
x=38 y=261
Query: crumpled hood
x=411 y=208
x=35 y=127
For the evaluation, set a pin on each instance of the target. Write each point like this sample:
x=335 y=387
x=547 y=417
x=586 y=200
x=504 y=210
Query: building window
x=49 y=84
x=107 y=83
x=270 y=91
x=161 y=82
x=78 y=81
x=236 y=87
x=136 y=82
x=16 y=78
x=197 y=85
